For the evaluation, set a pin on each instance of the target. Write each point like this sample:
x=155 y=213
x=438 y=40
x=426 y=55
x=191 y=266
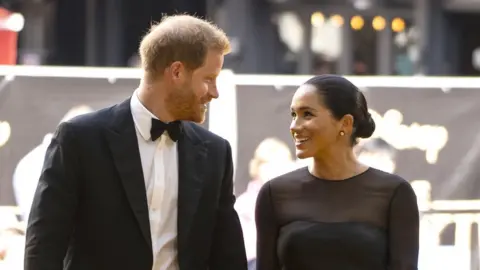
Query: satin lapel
x=192 y=154
x=122 y=140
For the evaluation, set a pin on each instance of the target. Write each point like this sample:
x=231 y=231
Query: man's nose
x=213 y=91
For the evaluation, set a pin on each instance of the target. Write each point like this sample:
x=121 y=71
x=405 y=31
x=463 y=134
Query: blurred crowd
x=12 y=239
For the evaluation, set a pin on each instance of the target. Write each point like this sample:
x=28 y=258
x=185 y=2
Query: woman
x=336 y=214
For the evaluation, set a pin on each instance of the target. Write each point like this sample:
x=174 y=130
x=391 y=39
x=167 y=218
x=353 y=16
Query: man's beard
x=184 y=105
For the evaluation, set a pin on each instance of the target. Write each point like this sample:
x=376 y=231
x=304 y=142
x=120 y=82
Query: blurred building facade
x=363 y=37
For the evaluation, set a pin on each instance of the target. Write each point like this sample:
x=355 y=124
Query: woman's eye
x=292 y=114
x=307 y=114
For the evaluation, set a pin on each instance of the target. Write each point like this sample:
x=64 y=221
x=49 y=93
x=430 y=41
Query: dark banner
x=436 y=135
x=30 y=110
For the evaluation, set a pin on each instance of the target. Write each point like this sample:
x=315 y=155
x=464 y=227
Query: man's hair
x=181 y=38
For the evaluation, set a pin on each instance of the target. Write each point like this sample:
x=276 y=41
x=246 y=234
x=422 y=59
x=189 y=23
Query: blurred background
x=417 y=62
x=367 y=37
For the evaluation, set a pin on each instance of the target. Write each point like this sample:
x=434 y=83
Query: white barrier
x=70 y=72
x=243 y=79
x=366 y=81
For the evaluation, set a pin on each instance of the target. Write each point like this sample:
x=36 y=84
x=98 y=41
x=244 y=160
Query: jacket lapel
x=122 y=140
x=192 y=154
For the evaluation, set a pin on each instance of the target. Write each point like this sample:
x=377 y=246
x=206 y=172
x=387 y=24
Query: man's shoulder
x=92 y=120
x=204 y=134
x=95 y=118
x=88 y=124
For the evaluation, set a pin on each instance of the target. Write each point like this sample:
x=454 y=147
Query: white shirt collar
x=141 y=117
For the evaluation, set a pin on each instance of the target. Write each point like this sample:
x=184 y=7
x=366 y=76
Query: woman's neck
x=336 y=165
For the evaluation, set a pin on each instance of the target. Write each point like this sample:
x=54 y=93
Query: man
x=122 y=189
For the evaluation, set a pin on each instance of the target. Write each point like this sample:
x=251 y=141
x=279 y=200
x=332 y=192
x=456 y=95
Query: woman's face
x=313 y=126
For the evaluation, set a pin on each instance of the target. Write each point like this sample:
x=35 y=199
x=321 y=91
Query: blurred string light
x=337 y=20
x=357 y=22
x=398 y=25
x=317 y=19
x=379 y=23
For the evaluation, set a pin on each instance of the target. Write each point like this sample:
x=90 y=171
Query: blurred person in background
x=360 y=68
x=272 y=158
x=377 y=153
x=337 y=213
x=140 y=185
x=29 y=168
x=134 y=61
x=12 y=241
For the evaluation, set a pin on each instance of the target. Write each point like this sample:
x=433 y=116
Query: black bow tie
x=158 y=127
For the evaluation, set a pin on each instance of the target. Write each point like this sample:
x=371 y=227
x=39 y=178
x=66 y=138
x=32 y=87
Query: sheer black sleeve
x=267 y=231
x=403 y=229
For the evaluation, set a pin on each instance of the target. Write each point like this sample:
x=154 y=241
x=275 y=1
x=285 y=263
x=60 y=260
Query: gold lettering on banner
x=5 y=131
x=429 y=138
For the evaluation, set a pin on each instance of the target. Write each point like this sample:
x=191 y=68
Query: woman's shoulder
x=386 y=177
x=285 y=186
x=388 y=181
x=291 y=176
x=288 y=181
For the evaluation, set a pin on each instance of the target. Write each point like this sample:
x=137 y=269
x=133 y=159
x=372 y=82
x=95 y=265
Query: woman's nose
x=294 y=127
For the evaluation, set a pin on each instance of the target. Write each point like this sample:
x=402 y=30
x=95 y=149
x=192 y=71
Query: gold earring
x=342 y=133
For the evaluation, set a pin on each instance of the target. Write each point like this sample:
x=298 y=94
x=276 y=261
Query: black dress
x=367 y=222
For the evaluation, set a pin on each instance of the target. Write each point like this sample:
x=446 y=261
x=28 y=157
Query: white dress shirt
x=160 y=169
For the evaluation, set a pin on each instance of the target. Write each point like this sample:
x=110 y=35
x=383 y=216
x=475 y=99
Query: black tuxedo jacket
x=90 y=208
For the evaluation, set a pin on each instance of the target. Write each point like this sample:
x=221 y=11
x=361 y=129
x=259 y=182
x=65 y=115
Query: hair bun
x=366 y=127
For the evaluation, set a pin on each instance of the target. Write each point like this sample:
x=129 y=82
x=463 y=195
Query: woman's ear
x=347 y=123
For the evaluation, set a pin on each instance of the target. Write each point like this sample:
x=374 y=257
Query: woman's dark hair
x=342 y=97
